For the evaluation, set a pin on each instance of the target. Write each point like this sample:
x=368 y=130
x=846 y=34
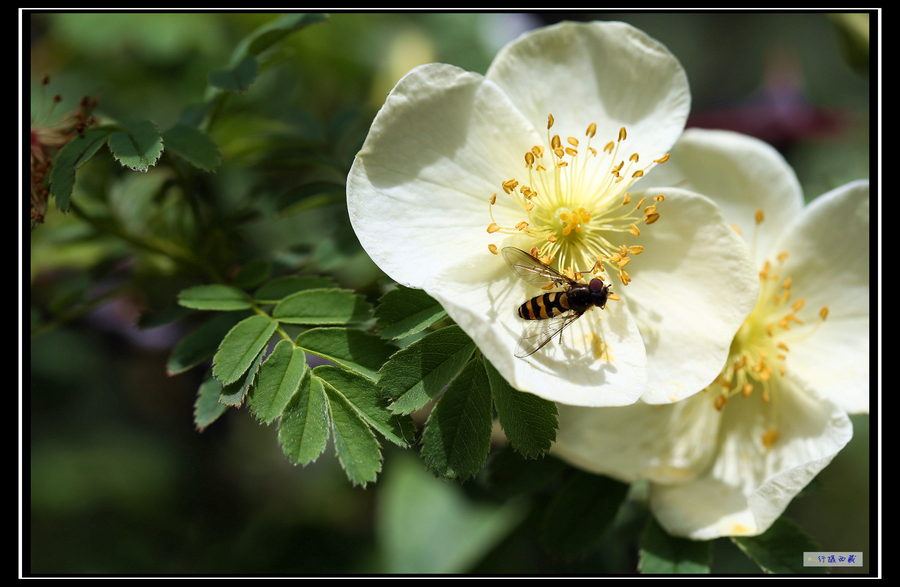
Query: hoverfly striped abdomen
x=548 y=305
x=551 y=312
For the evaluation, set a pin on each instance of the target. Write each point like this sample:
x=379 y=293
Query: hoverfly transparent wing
x=540 y=332
x=531 y=269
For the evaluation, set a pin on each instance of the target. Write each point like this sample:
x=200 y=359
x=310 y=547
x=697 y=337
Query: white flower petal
x=609 y=73
x=419 y=188
x=482 y=295
x=828 y=263
x=693 y=286
x=750 y=485
x=741 y=175
x=663 y=443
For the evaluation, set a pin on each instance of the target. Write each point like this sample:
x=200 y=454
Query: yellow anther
x=572 y=141
x=591 y=130
x=760 y=216
x=634 y=158
x=529 y=159
x=651 y=218
x=493 y=249
x=622 y=134
x=492 y=227
x=662 y=159
x=720 y=401
x=769 y=437
x=549 y=121
x=823 y=313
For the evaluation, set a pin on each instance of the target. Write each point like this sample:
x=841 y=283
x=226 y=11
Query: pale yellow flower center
x=760 y=349
x=576 y=206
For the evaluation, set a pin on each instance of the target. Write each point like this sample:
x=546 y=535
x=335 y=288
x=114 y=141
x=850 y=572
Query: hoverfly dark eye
x=596 y=286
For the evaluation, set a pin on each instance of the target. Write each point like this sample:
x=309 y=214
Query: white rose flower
x=542 y=153
x=728 y=461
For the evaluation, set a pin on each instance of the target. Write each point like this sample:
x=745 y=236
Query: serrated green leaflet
x=415 y=375
x=207 y=407
x=354 y=349
x=580 y=512
x=202 y=343
x=529 y=422
x=137 y=146
x=357 y=448
x=70 y=158
x=403 y=311
x=240 y=347
x=780 y=548
x=303 y=426
x=214 y=296
x=361 y=394
x=279 y=288
x=194 y=145
x=322 y=306
x=279 y=378
x=457 y=435
x=234 y=393
x=671 y=555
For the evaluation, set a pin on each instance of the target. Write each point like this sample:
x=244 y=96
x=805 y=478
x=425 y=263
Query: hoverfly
x=552 y=311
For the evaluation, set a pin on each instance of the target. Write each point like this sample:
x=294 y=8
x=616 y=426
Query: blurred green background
x=117 y=479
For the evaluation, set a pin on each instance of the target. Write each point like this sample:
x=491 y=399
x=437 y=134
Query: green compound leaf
x=194 y=145
x=415 y=375
x=303 y=426
x=71 y=157
x=137 y=146
x=214 y=296
x=529 y=422
x=279 y=378
x=361 y=394
x=403 y=311
x=663 y=554
x=457 y=436
x=580 y=512
x=322 y=306
x=354 y=349
x=241 y=346
x=357 y=448
x=780 y=548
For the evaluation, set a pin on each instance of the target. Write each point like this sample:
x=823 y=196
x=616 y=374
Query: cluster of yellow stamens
x=576 y=207
x=760 y=348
